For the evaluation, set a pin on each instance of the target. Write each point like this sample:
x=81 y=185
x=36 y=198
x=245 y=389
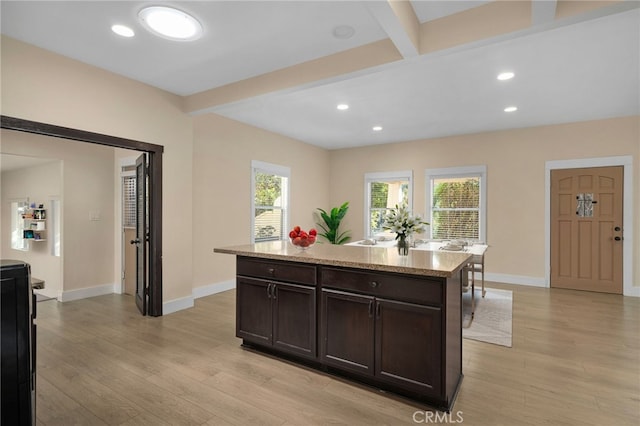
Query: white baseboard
x=514 y=279
x=633 y=291
x=188 y=302
x=208 y=290
x=83 y=293
x=176 y=305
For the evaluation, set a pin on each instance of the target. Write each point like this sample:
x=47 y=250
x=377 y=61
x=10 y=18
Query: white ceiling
x=583 y=70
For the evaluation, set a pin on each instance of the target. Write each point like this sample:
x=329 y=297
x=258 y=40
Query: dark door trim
x=155 y=188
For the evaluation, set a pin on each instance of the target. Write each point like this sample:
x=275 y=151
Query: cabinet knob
x=272 y=271
x=374 y=284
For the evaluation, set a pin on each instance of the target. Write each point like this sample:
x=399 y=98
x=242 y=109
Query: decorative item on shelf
x=302 y=239
x=331 y=224
x=404 y=224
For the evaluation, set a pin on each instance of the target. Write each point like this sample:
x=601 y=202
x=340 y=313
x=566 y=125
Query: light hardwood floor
x=575 y=360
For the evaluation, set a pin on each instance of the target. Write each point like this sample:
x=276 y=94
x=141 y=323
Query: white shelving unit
x=35 y=224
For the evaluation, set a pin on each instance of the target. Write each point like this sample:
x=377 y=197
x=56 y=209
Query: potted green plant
x=331 y=223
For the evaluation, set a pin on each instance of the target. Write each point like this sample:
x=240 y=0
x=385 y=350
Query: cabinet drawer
x=274 y=270
x=393 y=286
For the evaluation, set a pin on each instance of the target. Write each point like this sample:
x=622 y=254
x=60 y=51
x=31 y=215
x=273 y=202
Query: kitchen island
x=389 y=321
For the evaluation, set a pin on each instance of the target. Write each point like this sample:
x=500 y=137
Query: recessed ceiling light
x=122 y=30
x=342 y=107
x=511 y=109
x=170 y=23
x=377 y=128
x=508 y=75
x=343 y=32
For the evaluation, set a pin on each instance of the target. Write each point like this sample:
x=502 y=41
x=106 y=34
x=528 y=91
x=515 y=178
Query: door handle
x=370 y=308
x=269 y=290
x=136 y=241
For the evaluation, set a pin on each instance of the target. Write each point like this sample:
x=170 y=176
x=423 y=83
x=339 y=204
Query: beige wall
x=87 y=187
x=42 y=86
x=39 y=184
x=222 y=154
x=207 y=166
x=515 y=161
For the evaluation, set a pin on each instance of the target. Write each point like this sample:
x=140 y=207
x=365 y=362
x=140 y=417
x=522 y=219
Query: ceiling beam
x=337 y=66
x=398 y=19
x=483 y=25
x=543 y=11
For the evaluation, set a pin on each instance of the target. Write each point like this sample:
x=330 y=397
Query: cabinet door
x=408 y=345
x=294 y=319
x=253 y=310
x=347 y=331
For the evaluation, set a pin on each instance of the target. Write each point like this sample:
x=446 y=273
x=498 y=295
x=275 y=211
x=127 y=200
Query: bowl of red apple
x=302 y=239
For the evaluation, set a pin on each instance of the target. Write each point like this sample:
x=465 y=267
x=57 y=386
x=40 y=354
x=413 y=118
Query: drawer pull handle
x=374 y=284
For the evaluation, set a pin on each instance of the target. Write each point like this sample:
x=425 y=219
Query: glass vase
x=403 y=246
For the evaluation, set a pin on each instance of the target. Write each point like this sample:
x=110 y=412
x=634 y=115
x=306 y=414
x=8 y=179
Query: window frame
x=480 y=172
x=273 y=169
x=17 y=224
x=384 y=177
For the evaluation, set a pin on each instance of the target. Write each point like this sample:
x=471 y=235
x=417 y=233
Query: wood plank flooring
x=575 y=361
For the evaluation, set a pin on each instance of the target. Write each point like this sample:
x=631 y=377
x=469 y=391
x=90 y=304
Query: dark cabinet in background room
x=18 y=359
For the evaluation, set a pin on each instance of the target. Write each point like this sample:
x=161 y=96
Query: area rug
x=492 y=320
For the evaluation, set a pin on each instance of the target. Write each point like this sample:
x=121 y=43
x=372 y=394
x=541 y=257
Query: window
x=383 y=191
x=269 y=201
x=456 y=200
x=18 y=208
x=129 y=205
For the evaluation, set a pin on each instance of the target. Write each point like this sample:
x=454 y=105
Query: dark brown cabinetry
x=407 y=345
x=395 y=330
x=399 y=332
x=273 y=313
x=394 y=341
x=347 y=331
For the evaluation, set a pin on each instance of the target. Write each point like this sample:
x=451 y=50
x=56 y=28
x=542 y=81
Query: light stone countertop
x=419 y=262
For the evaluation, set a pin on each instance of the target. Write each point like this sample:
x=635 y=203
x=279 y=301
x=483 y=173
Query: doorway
x=153 y=292
x=587 y=229
x=626 y=162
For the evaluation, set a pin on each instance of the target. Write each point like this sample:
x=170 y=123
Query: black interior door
x=141 y=241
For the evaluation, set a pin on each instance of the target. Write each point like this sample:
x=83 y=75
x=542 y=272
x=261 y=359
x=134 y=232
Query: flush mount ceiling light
x=122 y=30
x=377 y=128
x=511 y=109
x=170 y=23
x=343 y=107
x=508 y=75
